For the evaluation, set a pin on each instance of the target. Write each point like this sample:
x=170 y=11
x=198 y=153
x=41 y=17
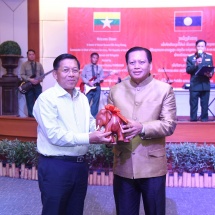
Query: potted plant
x=100 y=157
x=193 y=163
x=18 y=159
x=10 y=52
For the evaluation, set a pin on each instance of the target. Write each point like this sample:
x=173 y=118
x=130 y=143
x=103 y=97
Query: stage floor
x=187 y=118
x=197 y=132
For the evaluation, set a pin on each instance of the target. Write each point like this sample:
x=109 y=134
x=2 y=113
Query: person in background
x=65 y=130
x=92 y=76
x=31 y=71
x=199 y=84
x=140 y=166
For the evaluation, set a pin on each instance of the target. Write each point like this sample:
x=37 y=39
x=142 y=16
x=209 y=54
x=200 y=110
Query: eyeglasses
x=68 y=70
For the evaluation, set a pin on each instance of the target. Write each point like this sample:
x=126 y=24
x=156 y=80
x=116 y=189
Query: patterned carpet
x=22 y=197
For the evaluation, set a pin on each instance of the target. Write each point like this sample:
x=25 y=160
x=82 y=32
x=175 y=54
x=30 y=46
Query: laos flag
x=188 y=21
x=106 y=21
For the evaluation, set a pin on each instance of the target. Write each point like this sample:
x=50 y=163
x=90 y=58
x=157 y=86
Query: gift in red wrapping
x=111 y=119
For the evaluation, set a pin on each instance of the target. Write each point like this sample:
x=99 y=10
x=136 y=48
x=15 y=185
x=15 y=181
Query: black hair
x=61 y=57
x=199 y=41
x=30 y=50
x=137 y=48
x=94 y=53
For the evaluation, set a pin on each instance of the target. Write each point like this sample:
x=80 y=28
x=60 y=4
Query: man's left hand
x=208 y=74
x=131 y=129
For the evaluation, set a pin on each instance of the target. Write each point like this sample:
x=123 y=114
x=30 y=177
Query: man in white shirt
x=65 y=130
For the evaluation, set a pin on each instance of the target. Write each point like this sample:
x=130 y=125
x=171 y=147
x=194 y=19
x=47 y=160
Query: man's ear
x=54 y=73
x=150 y=66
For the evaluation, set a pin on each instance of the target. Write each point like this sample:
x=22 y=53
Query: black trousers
x=204 y=100
x=128 y=192
x=94 y=98
x=31 y=97
x=63 y=186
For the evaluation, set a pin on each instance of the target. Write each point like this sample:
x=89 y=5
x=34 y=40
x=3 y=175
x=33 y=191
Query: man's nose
x=137 y=65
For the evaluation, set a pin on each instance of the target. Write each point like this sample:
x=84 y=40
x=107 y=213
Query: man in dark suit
x=199 y=84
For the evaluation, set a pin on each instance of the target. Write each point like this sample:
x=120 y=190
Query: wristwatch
x=142 y=134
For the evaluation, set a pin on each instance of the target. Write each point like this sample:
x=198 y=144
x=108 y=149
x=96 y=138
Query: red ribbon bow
x=116 y=111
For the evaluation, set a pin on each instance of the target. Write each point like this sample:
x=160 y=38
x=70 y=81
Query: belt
x=77 y=159
x=97 y=84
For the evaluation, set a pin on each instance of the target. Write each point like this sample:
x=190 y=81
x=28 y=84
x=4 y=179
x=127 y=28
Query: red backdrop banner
x=169 y=33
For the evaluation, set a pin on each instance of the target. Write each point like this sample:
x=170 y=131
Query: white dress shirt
x=64 y=122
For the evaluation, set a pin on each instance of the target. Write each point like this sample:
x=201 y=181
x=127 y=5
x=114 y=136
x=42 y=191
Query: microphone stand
x=167 y=77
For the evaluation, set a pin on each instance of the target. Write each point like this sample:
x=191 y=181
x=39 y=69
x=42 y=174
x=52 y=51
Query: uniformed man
x=199 y=83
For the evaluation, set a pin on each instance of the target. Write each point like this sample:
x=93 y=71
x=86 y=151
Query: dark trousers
x=94 y=98
x=31 y=97
x=204 y=100
x=63 y=186
x=128 y=192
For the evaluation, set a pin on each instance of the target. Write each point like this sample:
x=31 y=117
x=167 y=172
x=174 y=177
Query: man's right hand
x=198 y=61
x=100 y=137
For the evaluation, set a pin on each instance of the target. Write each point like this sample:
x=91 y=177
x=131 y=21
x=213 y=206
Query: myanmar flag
x=188 y=21
x=106 y=21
